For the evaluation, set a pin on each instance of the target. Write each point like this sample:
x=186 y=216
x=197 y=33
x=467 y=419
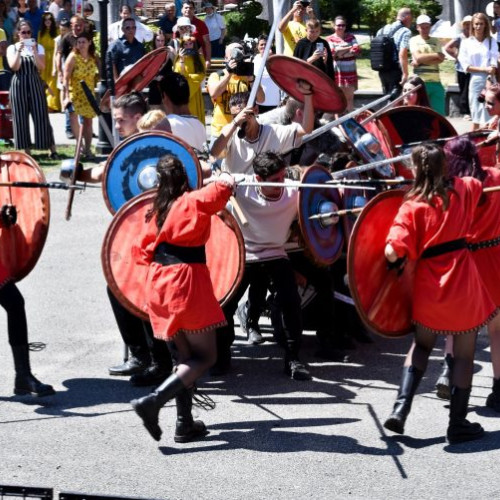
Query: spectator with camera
x=236 y=77
x=314 y=49
x=293 y=26
x=27 y=95
x=201 y=31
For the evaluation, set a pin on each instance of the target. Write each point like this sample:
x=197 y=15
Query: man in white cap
x=216 y=29
x=427 y=55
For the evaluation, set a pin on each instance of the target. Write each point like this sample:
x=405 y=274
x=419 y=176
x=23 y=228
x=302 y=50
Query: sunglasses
x=25 y=32
x=340 y=25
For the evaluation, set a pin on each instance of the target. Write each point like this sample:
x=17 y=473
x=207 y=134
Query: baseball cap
x=423 y=19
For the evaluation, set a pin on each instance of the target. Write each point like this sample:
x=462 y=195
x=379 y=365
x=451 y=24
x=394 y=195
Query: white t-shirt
x=189 y=129
x=271 y=90
x=479 y=54
x=241 y=152
x=269 y=220
x=215 y=24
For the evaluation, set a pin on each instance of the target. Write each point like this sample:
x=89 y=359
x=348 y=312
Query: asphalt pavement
x=270 y=437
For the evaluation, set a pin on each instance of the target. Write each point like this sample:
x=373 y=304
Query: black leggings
x=464 y=347
x=13 y=303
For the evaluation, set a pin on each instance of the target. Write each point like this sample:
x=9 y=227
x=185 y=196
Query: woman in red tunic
x=484 y=241
x=13 y=303
x=449 y=296
x=181 y=302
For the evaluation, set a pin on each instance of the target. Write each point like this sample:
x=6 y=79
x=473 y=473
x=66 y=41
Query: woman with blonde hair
x=478 y=56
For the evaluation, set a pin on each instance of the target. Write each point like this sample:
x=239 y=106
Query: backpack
x=383 y=52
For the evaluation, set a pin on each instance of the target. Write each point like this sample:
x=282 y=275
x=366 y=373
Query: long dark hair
x=431 y=179
x=53 y=27
x=90 y=38
x=198 y=65
x=463 y=159
x=172 y=183
x=423 y=98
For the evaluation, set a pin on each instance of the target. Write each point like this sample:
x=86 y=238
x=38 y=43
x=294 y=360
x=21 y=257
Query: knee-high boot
x=148 y=407
x=443 y=382
x=459 y=428
x=25 y=382
x=187 y=429
x=409 y=384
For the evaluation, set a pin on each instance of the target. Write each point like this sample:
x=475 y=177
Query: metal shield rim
x=136 y=137
x=302 y=68
x=350 y=266
x=303 y=222
x=19 y=156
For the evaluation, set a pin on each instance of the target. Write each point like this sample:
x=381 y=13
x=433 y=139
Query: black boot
x=187 y=429
x=409 y=384
x=25 y=382
x=460 y=429
x=443 y=383
x=139 y=360
x=148 y=407
x=493 y=400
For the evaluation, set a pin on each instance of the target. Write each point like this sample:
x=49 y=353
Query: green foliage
x=244 y=20
x=350 y=9
x=376 y=13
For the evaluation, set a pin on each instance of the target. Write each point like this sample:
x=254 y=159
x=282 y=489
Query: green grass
x=42 y=156
x=369 y=80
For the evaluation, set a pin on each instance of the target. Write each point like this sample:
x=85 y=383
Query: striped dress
x=27 y=97
x=346 y=74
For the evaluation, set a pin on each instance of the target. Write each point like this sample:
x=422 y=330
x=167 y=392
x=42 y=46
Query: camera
x=243 y=67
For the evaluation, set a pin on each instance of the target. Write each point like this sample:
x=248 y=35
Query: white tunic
x=189 y=129
x=269 y=220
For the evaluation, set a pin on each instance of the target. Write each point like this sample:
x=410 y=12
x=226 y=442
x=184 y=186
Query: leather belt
x=167 y=254
x=446 y=247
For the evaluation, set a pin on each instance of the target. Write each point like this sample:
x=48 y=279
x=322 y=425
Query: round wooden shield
x=126 y=274
x=324 y=241
x=131 y=167
x=287 y=71
x=22 y=239
x=367 y=146
x=383 y=299
x=138 y=76
x=407 y=124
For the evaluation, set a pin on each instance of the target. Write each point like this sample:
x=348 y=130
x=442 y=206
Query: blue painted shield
x=323 y=239
x=131 y=167
x=366 y=145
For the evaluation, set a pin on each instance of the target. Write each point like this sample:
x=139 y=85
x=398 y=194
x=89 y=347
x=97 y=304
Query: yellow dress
x=196 y=104
x=47 y=42
x=83 y=69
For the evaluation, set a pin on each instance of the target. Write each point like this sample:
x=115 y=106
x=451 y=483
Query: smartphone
x=305 y=3
x=30 y=42
x=319 y=47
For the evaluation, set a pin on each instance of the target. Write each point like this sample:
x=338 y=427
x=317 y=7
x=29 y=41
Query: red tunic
x=180 y=297
x=449 y=296
x=486 y=227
